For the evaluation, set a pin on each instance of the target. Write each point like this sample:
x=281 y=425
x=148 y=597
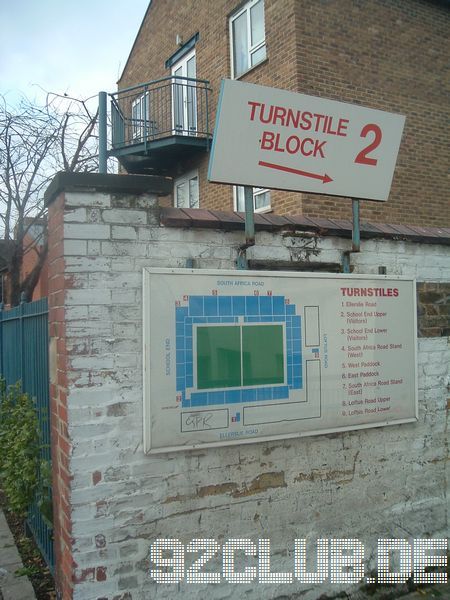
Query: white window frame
x=186 y=178
x=251 y=49
x=256 y=192
x=137 y=116
x=188 y=93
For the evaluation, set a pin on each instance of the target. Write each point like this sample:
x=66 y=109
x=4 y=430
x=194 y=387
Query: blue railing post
x=22 y=338
x=207 y=115
x=102 y=133
x=144 y=106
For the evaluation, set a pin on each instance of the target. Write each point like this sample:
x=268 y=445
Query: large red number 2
x=362 y=157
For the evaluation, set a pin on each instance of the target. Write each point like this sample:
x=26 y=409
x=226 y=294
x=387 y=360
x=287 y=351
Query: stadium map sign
x=242 y=356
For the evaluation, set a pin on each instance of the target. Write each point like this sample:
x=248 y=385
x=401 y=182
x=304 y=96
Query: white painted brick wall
x=87 y=231
x=384 y=482
x=117 y=215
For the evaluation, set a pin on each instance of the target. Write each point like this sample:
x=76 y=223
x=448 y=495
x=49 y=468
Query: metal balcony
x=159 y=123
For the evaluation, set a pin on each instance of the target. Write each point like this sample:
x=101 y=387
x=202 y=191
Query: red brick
x=96 y=477
x=101 y=573
x=64 y=445
x=84 y=575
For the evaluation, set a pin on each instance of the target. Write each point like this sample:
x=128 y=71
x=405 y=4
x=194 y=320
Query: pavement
x=11 y=587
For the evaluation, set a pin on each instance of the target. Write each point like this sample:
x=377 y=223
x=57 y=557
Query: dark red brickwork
x=387 y=55
x=433 y=309
x=60 y=441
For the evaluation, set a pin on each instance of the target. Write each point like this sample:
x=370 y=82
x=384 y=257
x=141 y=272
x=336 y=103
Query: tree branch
x=35 y=142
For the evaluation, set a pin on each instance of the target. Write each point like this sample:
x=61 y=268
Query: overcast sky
x=76 y=47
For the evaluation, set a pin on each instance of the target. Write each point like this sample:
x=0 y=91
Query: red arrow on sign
x=324 y=178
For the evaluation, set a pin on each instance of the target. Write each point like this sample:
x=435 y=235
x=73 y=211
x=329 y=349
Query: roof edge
x=134 y=43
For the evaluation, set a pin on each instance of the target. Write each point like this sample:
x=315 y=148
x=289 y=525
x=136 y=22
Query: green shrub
x=44 y=492
x=19 y=447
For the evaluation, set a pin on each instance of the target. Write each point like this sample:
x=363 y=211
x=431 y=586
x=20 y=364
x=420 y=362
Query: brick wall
x=112 y=501
x=384 y=55
x=60 y=439
x=433 y=301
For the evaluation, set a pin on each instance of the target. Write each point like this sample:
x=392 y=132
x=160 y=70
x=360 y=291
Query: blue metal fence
x=24 y=357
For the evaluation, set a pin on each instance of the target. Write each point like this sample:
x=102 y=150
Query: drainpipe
x=102 y=133
x=356 y=237
x=242 y=262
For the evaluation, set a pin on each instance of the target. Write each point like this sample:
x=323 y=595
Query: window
x=261 y=199
x=142 y=126
x=239 y=355
x=247 y=35
x=139 y=113
x=184 y=96
x=186 y=191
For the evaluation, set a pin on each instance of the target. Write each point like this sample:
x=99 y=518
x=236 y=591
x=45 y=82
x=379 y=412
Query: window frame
x=186 y=177
x=137 y=117
x=256 y=192
x=246 y=8
x=187 y=93
x=142 y=123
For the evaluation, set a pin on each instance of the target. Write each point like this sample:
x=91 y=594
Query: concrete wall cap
x=207 y=219
x=106 y=183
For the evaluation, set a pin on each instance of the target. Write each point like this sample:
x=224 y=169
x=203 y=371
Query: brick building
x=33 y=243
x=383 y=55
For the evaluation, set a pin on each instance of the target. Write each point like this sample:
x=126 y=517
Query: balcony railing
x=157 y=110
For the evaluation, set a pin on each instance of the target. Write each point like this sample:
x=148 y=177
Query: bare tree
x=36 y=142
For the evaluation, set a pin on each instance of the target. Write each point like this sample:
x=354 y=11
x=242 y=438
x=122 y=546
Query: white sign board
x=271 y=138
x=233 y=357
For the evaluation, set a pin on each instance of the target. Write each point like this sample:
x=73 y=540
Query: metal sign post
x=242 y=262
x=356 y=237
